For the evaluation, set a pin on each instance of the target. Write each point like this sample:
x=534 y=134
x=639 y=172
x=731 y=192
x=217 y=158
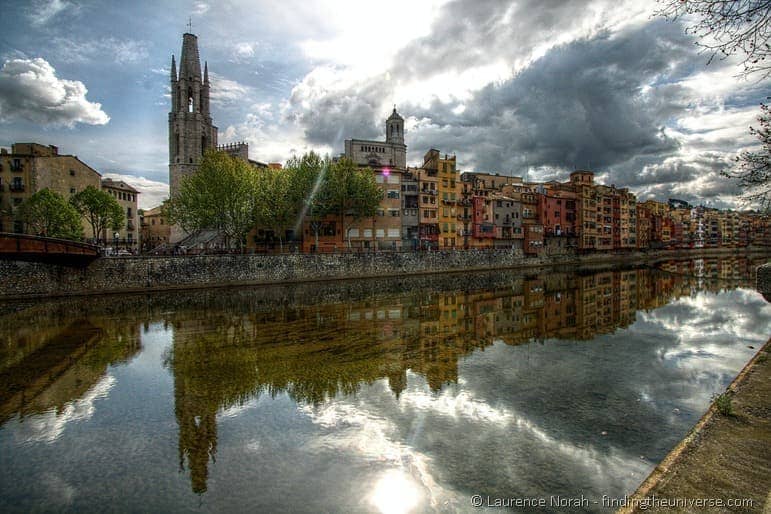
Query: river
x=386 y=395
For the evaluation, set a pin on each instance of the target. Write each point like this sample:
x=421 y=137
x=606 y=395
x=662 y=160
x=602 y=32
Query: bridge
x=23 y=247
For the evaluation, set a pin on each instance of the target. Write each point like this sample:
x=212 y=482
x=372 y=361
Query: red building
x=557 y=213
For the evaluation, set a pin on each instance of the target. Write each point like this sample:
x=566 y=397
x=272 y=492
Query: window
x=72 y=173
x=393 y=194
x=128 y=212
x=380 y=233
x=393 y=179
x=394 y=232
x=73 y=190
x=394 y=212
x=367 y=232
x=378 y=178
x=353 y=232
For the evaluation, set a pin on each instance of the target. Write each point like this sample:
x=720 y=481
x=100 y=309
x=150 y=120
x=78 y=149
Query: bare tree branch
x=727 y=27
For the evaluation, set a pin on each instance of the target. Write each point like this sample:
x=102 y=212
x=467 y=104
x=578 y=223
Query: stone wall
x=136 y=274
x=764 y=281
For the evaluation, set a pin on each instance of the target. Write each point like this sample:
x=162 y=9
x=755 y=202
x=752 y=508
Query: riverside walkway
x=724 y=464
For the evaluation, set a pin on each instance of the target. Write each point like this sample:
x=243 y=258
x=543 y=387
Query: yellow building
x=30 y=167
x=448 y=191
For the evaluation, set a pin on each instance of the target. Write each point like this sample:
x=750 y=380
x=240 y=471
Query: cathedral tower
x=395 y=128
x=190 y=125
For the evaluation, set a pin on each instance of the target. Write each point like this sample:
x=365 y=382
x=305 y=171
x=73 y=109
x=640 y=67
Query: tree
x=312 y=188
x=221 y=195
x=100 y=209
x=727 y=27
x=47 y=213
x=277 y=206
x=752 y=169
x=353 y=193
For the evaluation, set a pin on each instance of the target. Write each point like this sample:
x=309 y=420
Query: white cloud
x=118 y=51
x=225 y=91
x=200 y=8
x=152 y=193
x=41 y=12
x=30 y=90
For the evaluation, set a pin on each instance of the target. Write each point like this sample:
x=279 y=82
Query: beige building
x=154 y=229
x=387 y=159
x=128 y=234
x=30 y=167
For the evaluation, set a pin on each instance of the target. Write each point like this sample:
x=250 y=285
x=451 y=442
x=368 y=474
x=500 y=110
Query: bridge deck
x=24 y=247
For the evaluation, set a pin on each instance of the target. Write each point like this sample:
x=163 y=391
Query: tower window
x=190 y=104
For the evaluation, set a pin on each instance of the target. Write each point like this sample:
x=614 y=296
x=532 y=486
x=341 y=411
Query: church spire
x=189 y=62
x=206 y=73
x=173 y=69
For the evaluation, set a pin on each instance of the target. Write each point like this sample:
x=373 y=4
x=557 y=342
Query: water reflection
x=421 y=385
x=47 y=369
x=221 y=359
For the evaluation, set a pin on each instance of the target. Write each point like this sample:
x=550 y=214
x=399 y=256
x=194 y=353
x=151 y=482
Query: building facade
x=30 y=167
x=127 y=236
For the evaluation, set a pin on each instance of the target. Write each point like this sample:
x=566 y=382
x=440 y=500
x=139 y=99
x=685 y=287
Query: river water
x=388 y=395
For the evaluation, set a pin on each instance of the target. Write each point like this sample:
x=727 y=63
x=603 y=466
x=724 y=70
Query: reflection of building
x=225 y=356
x=44 y=369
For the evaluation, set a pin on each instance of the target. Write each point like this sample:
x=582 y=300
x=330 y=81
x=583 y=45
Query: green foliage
x=100 y=209
x=312 y=188
x=277 y=205
x=221 y=194
x=723 y=404
x=353 y=193
x=47 y=213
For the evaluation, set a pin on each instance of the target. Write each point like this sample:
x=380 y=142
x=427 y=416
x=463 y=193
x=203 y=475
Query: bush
x=723 y=403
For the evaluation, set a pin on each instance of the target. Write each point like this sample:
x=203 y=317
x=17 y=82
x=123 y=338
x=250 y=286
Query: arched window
x=190 y=106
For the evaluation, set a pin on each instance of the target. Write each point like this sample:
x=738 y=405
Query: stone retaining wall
x=132 y=274
x=764 y=281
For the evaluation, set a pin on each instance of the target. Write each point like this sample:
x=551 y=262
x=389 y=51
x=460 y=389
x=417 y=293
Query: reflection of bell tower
x=197 y=435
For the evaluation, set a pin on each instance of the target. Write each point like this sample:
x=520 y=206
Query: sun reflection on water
x=395 y=493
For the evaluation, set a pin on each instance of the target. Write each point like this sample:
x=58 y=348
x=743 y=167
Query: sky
x=531 y=88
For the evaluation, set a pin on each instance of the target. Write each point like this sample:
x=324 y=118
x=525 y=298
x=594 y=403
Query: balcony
x=16 y=187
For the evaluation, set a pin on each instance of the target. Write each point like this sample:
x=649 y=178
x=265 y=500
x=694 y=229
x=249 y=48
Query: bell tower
x=395 y=128
x=191 y=131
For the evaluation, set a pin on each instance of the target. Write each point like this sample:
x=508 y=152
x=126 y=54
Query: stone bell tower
x=190 y=124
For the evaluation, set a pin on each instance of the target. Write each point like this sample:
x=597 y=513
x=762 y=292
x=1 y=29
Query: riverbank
x=724 y=457
x=162 y=273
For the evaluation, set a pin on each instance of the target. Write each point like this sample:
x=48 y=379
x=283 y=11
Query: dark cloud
x=333 y=118
x=584 y=104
